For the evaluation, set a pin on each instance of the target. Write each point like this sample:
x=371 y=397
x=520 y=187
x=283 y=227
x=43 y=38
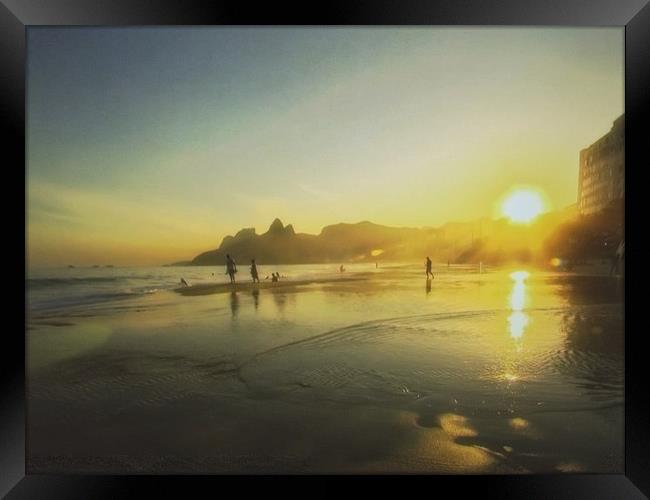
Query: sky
x=147 y=146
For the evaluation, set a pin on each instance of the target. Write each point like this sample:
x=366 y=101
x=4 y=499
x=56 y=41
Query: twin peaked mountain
x=337 y=243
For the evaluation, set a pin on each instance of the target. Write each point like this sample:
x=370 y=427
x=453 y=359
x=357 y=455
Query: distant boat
x=70 y=266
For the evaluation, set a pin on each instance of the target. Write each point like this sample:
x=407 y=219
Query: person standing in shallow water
x=429 y=268
x=231 y=268
x=254 y=271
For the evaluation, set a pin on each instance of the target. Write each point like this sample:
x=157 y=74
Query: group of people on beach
x=231 y=270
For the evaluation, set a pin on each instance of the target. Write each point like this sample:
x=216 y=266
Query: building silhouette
x=601 y=179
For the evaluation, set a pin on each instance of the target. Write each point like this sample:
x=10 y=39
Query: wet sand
x=212 y=288
x=376 y=373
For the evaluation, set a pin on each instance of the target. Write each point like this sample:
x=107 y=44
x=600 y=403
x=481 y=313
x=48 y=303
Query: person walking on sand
x=429 y=268
x=254 y=271
x=231 y=268
x=621 y=256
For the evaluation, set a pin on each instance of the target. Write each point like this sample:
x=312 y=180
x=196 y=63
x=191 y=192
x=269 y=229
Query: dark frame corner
x=16 y=16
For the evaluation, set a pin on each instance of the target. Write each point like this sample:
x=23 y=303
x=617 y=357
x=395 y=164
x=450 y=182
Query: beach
x=374 y=370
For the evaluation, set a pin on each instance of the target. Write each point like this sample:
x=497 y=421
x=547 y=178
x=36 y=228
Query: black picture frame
x=16 y=16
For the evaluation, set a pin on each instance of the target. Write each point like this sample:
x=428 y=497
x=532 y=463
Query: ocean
x=58 y=288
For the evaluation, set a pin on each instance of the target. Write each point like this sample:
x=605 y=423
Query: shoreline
x=213 y=288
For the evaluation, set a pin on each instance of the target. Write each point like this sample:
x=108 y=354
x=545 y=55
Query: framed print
x=371 y=241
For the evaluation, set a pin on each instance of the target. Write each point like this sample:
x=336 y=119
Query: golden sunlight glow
x=377 y=252
x=440 y=444
x=456 y=425
x=518 y=320
x=522 y=206
x=519 y=276
x=518 y=423
x=518 y=295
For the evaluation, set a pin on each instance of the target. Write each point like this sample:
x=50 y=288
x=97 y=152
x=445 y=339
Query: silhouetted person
x=254 y=272
x=275 y=277
x=342 y=269
x=231 y=268
x=621 y=253
x=617 y=258
x=183 y=282
x=429 y=268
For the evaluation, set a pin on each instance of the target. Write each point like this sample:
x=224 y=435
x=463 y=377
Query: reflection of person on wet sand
x=429 y=268
x=256 y=298
x=234 y=303
x=280 y=300
x=231 y=268
x=428 y=286
x=254 y=271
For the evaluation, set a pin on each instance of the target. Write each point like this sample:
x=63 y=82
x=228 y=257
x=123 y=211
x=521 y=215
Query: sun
x=522 y=206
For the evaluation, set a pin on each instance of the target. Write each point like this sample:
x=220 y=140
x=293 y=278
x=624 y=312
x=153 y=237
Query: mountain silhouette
x=282 y=245
x=483 y=240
